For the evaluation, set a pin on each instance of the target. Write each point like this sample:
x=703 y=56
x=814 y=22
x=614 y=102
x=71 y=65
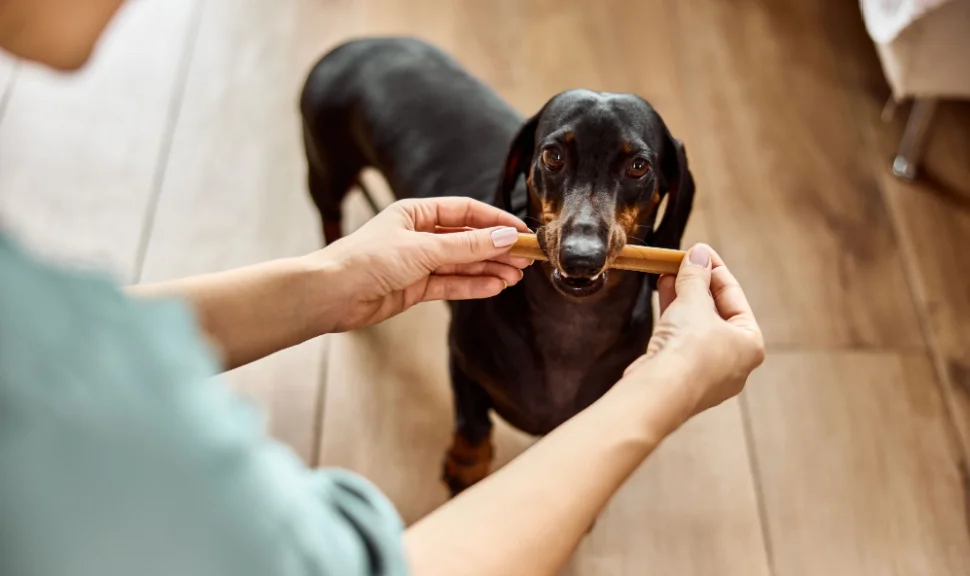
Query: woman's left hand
x=416 y=251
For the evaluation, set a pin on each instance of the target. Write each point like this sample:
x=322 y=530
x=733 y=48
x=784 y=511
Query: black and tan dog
x=596 y=166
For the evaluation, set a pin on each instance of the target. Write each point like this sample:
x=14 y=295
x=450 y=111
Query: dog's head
x=598 y=167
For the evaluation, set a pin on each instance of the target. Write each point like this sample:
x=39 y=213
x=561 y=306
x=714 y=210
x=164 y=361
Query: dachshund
x=587 y=172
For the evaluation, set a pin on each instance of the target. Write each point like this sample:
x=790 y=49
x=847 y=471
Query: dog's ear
x=517 y=162
x=679 y=184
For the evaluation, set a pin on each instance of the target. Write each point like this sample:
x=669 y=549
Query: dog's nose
x=582 y=256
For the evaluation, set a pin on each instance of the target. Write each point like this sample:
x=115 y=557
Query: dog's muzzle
x=582 y=262
x=578 y=287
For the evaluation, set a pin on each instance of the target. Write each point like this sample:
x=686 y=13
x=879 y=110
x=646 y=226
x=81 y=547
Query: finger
x=728 y=295
x=666 y=291
x=458 y=212
x=462 y=287
x=694 y=277
x=510 y=274
x=505 y=258
x=471 y=245
x=515 y=261
x=730 y=301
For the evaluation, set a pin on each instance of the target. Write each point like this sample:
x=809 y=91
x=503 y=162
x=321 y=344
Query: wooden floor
x=178 y=151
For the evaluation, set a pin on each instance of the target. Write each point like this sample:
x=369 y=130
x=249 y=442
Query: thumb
x=470 y=246
x=694 y=276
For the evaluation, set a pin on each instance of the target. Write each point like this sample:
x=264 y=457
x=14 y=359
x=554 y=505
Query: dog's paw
x=466 y=464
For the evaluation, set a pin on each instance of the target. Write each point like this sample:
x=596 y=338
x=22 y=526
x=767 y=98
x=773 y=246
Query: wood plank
x=856 y=468
x=804 y=228
x=80 y=151
x=389 y=416
x=690 y=509
x=934 y=223
x=234 y=191
x=931 y=216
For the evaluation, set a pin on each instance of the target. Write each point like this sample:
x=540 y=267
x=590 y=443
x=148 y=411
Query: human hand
x=707 y=340
x=416 y=251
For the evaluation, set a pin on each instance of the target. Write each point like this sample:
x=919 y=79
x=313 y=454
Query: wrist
x=323 y=301
x=660 y=398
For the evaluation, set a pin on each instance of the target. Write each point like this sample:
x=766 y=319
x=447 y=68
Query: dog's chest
x=542 y=357
x=580 y=341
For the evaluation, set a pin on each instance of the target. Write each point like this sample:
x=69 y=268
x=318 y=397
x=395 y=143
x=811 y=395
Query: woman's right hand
x=707 y=341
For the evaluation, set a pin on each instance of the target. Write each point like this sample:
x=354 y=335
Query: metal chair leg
x=910 y=153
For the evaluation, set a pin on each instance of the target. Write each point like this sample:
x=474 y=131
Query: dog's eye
x=552 y=158
x=637 y=167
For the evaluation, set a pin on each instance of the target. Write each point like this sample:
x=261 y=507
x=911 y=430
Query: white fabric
x=885 y=19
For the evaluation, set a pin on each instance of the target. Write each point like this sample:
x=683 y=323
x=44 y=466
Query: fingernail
x=504 y=237
x=700 y=256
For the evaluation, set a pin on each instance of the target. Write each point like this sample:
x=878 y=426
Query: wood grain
x=234 y=187
x=690 y=509
x=932 y=229
x=931 y=216
x=856 y=469
x=803 y=227
x=80 y=152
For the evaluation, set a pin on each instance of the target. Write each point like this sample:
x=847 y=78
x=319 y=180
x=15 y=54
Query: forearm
x=528 y=517
x=254 y=311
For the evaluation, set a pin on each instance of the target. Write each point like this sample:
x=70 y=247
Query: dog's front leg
x=469 y=457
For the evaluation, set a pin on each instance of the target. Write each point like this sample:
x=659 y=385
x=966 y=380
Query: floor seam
x=165 y=148
x=673 y=17
x=8 y=88
x=754 y=465
x=319 y=405
x=867 y=135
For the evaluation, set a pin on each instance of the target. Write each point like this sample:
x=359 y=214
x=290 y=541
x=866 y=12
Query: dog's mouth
x=578 y=287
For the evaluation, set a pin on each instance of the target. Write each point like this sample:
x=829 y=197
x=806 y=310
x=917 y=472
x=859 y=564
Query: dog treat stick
x=635 y=258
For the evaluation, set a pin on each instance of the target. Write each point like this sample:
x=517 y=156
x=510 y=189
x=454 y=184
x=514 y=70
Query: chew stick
x=635 y=258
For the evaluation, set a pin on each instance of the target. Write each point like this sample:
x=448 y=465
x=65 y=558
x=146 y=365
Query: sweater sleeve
x=121 y=454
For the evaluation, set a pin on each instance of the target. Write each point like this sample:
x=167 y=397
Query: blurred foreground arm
x=253 y=311
x=528 y=517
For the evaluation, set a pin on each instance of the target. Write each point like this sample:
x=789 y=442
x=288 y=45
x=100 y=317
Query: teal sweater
x=119 y=454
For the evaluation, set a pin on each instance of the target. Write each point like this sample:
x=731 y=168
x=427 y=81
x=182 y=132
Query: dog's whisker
x=637 y=237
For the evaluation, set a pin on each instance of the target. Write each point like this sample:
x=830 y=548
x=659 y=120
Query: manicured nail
x=700 y=256
x=504 y=237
